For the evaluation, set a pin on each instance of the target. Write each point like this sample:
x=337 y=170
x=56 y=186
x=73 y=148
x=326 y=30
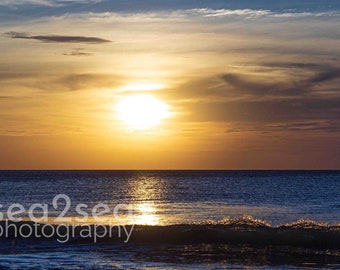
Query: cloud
x=323 y=72
x=15 y=97
x=77 y=52
x=5 y=75
x=293 y=87
x=57 y=39
x=305 y=98
x=24 y=2
x=327 y=75
x=286 y=80
x=76 y=82
x=294 y=65
x=265 y=111
x=57 y=82
x=306 y=127
x=50 y=3
x=242 y=84
x=206 y=12
x=253 y=13
x=313 y=126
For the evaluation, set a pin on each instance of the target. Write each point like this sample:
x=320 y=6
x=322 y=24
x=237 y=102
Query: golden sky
x=243 y=88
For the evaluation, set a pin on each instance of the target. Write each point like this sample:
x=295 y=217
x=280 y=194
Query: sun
x=142 y=111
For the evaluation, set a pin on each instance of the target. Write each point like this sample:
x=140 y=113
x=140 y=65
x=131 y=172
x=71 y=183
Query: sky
x=247 y=84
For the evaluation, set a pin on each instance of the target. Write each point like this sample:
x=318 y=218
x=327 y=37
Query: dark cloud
x=13 y=80
x=77 y=52
x=268 y=112
x=76 y=82
x=7 y=75
x=65 y=82
x=313 y=126
x=15 y=97
x=323 y=126
x=58 y=39
x=296 y=80
x=241 y=83
x=295 y=65
x=323 y=72
x=291 y=87
x=327 y=75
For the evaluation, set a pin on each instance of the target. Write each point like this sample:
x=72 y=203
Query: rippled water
x=165 y=198
x=168 y=197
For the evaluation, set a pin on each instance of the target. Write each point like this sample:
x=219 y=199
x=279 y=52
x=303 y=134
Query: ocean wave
x=241 y=230
x=236 y=240
x=247 y=220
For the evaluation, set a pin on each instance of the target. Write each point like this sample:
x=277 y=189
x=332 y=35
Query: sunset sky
x=238 y=84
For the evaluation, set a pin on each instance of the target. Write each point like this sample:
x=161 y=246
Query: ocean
x=181 y=219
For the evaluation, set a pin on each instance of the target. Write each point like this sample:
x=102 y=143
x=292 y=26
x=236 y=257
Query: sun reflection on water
x=144 y=191
x=145 y=214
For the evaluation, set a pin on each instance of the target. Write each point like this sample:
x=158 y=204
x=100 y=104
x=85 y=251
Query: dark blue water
x=185 y=196
x=177 y=197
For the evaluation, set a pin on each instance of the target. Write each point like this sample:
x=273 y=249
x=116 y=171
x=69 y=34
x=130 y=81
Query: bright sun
x=141 y=111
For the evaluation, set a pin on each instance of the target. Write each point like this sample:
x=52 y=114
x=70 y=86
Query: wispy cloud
x=307 y=127
x=248 y=13
x=263 y=112
x=288 y=80
x=206 y=12
x=57 y=38
x=272 y=97
x=293 y=127
x=74 y=82
x=292 y=87
x=77 y=52
x=44 y=2
x=23 y=2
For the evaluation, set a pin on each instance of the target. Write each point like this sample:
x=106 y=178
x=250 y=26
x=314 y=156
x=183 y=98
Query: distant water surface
x=171 y=197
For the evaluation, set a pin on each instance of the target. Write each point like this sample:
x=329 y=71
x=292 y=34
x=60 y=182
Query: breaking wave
x=240 y=230
x=236 y=240
x=251 y=221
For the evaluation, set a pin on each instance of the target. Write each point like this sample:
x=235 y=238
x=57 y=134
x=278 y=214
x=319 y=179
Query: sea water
x=163 y=198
